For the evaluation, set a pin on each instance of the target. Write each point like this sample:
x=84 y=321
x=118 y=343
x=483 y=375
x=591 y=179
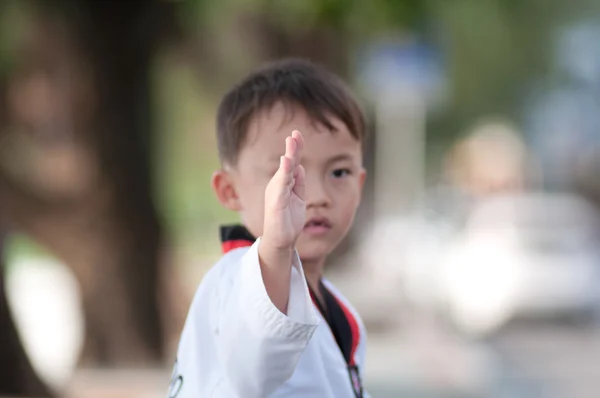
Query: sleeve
x=259 y=346
x=362 y=353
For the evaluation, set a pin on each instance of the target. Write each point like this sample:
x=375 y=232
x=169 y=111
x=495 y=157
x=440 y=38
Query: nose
x=316 y=194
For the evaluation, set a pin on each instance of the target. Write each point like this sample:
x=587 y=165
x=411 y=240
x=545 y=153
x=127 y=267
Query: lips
x=317 y=226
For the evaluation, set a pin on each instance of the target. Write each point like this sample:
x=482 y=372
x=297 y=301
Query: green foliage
x=297 y=14
x=352 y=15
x=18 y=247
x=494 y=49
x=13 y=22
x=186 y=156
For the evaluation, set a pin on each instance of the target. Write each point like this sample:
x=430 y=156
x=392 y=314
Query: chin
x=313 y=251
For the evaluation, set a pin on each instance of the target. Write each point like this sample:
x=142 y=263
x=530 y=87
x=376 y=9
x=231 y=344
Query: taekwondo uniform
x=237 y=344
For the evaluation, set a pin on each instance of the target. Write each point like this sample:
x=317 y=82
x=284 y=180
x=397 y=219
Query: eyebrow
x=337 y=158
x=340 y=157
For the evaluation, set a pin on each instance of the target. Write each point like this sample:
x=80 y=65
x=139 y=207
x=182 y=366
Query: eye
x=341 y=173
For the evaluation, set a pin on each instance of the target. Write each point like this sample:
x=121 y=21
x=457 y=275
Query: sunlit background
x=475 y=258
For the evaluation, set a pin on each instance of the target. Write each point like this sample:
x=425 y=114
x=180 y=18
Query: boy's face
x=334 y=177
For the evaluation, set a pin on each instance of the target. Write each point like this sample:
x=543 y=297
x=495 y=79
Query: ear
x=362 y=177
x=224 y=188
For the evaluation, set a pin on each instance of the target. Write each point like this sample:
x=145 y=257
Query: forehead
x=269 y=128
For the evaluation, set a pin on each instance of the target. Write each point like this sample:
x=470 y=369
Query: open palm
x=285 y=209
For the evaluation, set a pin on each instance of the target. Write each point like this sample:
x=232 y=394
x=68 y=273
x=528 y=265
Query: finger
x=299 y=182
x=286 y=170
x=291 y=148
x=297 y=135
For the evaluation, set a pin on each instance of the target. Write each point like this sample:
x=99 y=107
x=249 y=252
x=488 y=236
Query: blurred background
x=475 y=257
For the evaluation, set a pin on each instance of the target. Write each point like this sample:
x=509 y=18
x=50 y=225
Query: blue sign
x=394 y=65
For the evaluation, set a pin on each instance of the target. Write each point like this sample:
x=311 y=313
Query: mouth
x=317 y=225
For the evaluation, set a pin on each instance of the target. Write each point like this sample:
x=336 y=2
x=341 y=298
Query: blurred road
x=552 y=360
x=421 y=360
x=416 y=358
x=555 y=361
x=399 y=366
x=526 y=360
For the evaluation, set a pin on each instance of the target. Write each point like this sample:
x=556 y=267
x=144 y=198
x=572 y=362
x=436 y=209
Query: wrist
x=274 y=256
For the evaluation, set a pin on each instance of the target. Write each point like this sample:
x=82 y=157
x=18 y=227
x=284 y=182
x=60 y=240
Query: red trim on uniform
x=313 y=298
x=354 y=329
x=229 y=245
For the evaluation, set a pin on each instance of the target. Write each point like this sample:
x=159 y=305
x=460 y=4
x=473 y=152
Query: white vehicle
x=535 y=254
x=399 y=260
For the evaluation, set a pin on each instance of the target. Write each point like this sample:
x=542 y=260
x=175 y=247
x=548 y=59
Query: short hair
x=322 y=94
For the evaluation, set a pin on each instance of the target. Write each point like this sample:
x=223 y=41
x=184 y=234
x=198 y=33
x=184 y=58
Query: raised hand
x=285 y=209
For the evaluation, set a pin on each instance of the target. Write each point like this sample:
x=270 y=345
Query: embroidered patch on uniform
x=176 y=383
x=356 y=382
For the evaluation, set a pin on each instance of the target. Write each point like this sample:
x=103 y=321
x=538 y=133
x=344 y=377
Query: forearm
x=276 y=270
x=259 y=345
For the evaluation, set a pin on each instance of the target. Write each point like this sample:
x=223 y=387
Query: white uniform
x=237 y=344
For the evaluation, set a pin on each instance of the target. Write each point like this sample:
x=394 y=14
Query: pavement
x=407 y=355
x=551 y=360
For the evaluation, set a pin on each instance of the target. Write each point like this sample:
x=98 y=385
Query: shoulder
x=214 y=290
x=226 y=265
x=221 y=275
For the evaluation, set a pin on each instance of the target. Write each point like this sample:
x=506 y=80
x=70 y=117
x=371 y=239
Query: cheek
x=252 y=201
x=348 y=190
x=249 y=195
x=347 y=197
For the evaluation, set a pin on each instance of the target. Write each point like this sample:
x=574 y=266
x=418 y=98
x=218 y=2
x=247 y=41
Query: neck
x=313 y=271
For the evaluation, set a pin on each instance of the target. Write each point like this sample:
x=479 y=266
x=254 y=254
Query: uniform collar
x=235 y=236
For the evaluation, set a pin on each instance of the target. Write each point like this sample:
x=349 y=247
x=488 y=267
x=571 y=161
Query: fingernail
x=281 y=161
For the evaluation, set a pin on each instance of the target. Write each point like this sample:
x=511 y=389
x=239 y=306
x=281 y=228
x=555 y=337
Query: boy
x=264 y=323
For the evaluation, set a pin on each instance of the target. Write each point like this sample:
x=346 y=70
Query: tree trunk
x=121 y=297
x=108 y=231
x=18 y=377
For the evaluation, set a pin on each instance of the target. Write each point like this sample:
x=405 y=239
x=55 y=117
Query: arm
x=235 y=339
x=276 y=267
x=259 y=346
x=269 y=318
x=284 y=219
